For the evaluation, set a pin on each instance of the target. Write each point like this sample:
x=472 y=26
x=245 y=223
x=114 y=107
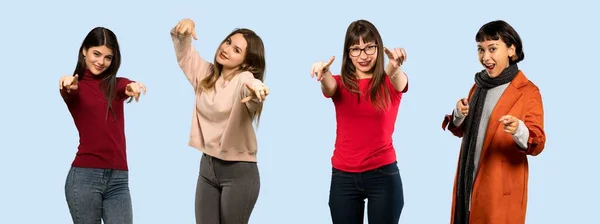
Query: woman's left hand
x=134 y=89
x=259 y=91
x=397 y=56
x=510 y=124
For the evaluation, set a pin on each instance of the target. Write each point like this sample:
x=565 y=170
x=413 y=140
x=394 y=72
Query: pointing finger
x=246 y=99
x=388 y=52
x=512 y=120
x=504 y=119
x=329 y=62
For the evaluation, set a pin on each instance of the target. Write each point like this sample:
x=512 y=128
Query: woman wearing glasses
x=366 y=97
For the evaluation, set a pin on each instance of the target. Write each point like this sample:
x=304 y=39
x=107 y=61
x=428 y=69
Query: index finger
x=512 y=119
x=330 y=61
x=248 y=98
x=388 y=52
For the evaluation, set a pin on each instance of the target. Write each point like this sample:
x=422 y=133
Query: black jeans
x=226 y=191
x=382 y=188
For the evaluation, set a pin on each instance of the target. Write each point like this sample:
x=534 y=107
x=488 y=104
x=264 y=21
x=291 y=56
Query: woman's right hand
x=463 y=106
x=69 y=82
x=185 y=27
x=320 y=69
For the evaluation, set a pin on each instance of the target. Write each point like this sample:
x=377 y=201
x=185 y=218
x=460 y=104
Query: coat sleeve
x=457 y=131
x=534 y=120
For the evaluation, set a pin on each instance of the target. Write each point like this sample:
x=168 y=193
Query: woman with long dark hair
x=366 y=96
x=97 y=185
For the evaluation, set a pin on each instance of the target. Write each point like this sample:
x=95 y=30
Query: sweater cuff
x=521 y=135
x=457 y=117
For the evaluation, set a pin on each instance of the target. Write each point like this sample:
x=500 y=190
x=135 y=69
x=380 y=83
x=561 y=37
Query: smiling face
x=495 y=56
x=498 y=46
x=98 y=59
x=363 y=59
x=232 y=52
x=363 y=56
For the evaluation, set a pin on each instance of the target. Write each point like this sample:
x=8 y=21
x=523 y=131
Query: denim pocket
x=391 y=169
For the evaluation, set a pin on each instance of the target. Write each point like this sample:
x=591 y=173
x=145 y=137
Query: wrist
x=326 y=75
x=395 y=74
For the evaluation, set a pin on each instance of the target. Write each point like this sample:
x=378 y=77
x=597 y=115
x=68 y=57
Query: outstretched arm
x=321 y=71
x=528 y=133
x=68 y=87
x=193 y=66
x=397 y=57
x=254 y=91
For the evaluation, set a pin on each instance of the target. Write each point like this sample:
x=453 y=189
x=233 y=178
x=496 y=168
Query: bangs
x=488 y=32
x=361 y=31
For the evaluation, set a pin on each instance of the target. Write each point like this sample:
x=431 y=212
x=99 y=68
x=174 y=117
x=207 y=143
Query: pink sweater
x=221 y=124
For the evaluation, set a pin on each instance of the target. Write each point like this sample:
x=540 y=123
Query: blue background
x=38 y=140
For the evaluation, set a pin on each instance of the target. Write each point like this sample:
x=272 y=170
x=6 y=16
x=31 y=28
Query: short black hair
x=500 y=29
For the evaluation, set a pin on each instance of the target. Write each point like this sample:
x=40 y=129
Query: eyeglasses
x=369 y=50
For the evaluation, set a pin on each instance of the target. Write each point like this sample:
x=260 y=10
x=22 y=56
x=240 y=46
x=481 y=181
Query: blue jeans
x=382 y=188
x=98 y=194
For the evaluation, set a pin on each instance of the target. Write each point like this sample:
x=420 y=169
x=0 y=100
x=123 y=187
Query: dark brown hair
x=378 y=94
x=101 y=36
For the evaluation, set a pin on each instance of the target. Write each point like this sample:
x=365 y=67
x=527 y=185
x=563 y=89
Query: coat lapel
x=508 y=99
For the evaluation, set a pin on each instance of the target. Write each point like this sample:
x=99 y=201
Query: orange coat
x=500 y=185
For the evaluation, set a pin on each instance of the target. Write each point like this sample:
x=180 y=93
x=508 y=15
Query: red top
x=364 y=134
x=101 y=135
